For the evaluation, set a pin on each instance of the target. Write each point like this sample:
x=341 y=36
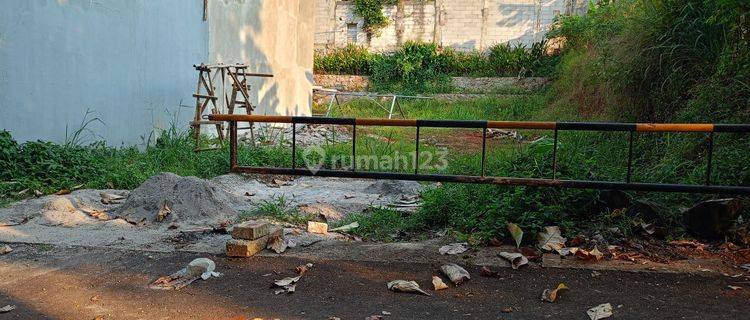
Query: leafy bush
x=348 y=60
x=371 y=12
x=423 y=67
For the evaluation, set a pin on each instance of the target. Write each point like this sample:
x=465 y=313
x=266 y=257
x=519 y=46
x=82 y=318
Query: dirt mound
x=167 y=198
x=394 y=187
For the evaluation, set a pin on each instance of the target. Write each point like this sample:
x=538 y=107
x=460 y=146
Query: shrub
x=348 y=60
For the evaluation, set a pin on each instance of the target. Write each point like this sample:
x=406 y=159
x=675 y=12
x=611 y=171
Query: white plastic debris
x=202 y=268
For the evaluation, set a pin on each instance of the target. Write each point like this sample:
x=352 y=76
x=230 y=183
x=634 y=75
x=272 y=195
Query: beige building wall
x=460 y=24
x=271 y=36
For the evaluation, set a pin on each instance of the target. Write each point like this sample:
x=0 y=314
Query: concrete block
x=250 y=230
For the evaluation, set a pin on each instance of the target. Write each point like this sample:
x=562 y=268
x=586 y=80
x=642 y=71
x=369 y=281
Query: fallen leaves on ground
x=277 y=243
x=550 y=239
x=5 y=249
x=515 y=232
x=202 y=268
x=109 y=198
x=455 y=273
x=438 y=283
x=601 y=311
x=62 y=192
x=346 y=228
x=593 y=255
x=516 y=259
x=286 y=285
x=495 y=242
x=487 y=272
x=454 y=248
x=405 y=286
x=164 y=211
x=551 y=295
x=7 y=308
x=303 y=268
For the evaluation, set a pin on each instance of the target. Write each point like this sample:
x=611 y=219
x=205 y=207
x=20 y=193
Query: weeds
x=278 y=208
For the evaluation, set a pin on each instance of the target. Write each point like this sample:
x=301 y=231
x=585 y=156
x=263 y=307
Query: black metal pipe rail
x=632 y=128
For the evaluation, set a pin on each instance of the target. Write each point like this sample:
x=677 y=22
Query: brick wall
x=461 y=24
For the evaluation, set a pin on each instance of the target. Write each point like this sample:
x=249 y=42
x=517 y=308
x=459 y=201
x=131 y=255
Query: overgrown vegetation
x=423 y=67
x=371 y=12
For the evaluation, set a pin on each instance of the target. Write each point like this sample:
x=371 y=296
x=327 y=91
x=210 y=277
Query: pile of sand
x=168 y=198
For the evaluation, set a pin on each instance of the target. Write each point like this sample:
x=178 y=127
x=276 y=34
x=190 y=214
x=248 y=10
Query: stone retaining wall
x=361 y=83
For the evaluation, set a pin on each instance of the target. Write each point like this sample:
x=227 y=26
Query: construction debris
x=317 y=227
x=199 y=268
x=455 y=273
x=454 y=248
x=405 y=286
x=250 y=230
x=169 y=198
x=252 y=237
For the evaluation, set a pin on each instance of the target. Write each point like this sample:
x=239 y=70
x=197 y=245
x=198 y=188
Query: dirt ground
x=85 y=283
x=65 y=264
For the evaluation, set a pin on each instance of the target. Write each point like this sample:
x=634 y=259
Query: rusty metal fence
x=553 y=181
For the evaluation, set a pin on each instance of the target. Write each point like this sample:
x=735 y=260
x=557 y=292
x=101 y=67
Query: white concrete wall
x=461 y=24
x=272 y=36
x=130 y=62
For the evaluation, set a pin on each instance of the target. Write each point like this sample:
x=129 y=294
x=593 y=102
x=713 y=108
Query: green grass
x=279 y=209
x=474 y=212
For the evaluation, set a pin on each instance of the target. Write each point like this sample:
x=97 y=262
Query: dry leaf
x=164 y=211
x=346 y=228
x=22 y=192
x=405 y=286
x=6 y=249
x=601 y=311
x=62 y=192
x=277 y=243
x=438 y=283
x=734 y=287
x=455 y=273
x=516 y=233
x=507 y=310
x=593 y=255
x=454 y=248
x=108 y=198
x=286 y=285
x=495 y=242
x=38 y=193
x=7 y=308
x=487 y=272
x=530 y=253
x=303 y=268
x=551 y=295
x=516 y=259
x=550 y=239
x=78 y=186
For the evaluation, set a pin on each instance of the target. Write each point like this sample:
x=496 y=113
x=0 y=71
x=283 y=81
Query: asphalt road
x=46 y=282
